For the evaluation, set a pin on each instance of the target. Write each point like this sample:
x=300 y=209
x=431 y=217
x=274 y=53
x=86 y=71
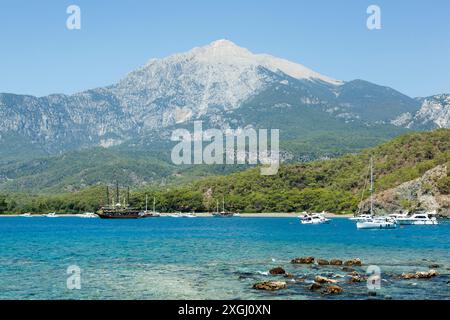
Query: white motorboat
x=377 y=223
x=88 y=215
x=314 y=218
x=425 y=218
x=188 y=215
x=51 y=215
x=26 y=215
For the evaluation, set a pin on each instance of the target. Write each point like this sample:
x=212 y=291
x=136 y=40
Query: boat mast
x=146 y=201
x=117 y=192
x=217 y=206
x=154 y=204
x=107 y=196
x=371 y=186
x=128 y=196
x=223 y=203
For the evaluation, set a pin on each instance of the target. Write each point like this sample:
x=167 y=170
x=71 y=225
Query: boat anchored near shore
x=423 y=218
x=314 y=218
x=223 y=213
x=369 y=221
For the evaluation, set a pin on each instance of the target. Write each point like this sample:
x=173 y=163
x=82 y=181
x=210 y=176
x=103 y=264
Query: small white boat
x=315 y=218
x=26 y=215
x=51 y=215
x=188 y=215
x=174 y=215
x=88 y=215
x=377 y=223
x=425 y=218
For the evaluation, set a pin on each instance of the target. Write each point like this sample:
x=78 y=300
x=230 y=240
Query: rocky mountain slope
x=429 y=192
x=434 y=112
x=211 y=83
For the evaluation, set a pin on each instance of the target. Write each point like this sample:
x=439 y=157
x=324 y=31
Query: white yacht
x=314 y=218
x=26 y=215
x=424 y=218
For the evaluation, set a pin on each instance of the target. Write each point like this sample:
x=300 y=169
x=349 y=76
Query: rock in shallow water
x=323 y=262
x=333 y=289
x=303 y=260
x=277 y=270
x=320 y=279
x=356 y=279
x=336 y=262
x=270 y=285
x=353 y=262
x=315 y=286
x=420 y=275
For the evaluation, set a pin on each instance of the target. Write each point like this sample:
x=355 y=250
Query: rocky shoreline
x=343 y=277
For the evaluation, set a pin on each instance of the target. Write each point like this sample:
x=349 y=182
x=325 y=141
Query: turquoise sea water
x=210 y=258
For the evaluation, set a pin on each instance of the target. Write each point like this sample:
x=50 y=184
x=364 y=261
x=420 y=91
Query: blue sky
x=39 y=55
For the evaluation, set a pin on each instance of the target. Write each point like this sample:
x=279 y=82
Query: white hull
x=313 y=219
x=51 y=215
x=375 y=225
x=418 y=220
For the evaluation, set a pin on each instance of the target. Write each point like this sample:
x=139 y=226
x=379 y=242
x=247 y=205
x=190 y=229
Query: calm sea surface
x=210 y=258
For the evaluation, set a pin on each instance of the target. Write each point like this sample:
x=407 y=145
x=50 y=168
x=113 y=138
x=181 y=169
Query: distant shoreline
x=204 y=214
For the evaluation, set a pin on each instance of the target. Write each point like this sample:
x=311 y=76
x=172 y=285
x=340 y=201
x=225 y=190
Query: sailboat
x=372 y=222
x=152 y=214
x=223 y=213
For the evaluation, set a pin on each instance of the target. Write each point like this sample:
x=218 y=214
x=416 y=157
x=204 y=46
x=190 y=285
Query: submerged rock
x=270 y=285
x=347 y=269
x=315 y=286
x=289 y=275
x=303 y=260
x=356 y=278
x=336 y=262
x=277 y=270
x=323 y=262
x=320 y=279
x=433 y=266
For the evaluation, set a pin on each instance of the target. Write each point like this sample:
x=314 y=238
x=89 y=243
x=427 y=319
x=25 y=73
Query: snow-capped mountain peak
x=219 y=75
x=227 y=52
